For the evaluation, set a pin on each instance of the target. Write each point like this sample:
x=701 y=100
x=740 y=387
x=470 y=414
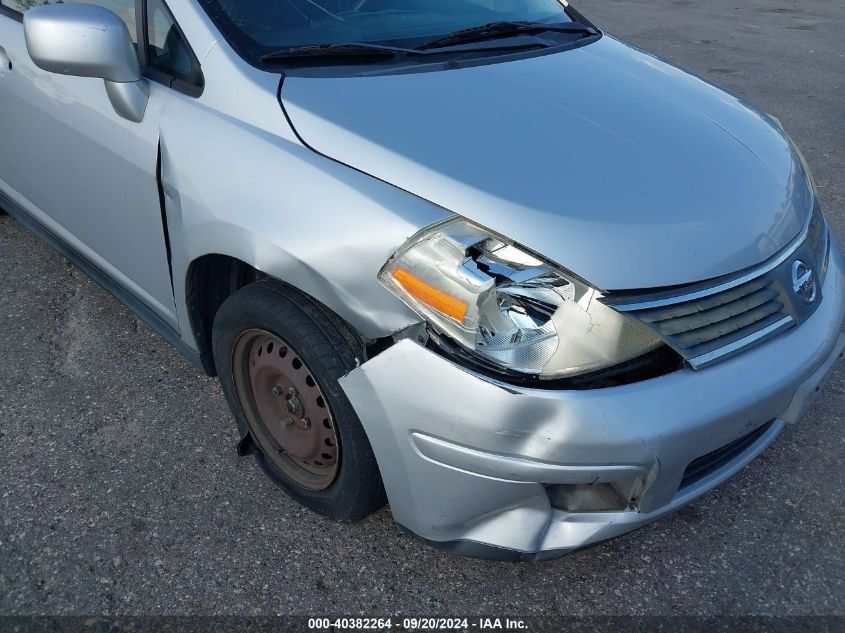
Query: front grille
x=712 y=321
x=708 y=328
x=708 y=464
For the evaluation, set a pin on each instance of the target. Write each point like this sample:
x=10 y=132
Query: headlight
x=819 y=241
x=507 y=306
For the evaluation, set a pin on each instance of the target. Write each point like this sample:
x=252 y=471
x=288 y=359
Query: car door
x=82 y=171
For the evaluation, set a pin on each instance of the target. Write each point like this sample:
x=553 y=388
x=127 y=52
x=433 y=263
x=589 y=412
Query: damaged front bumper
x=491 y=470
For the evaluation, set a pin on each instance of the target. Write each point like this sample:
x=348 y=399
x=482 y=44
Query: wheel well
x=211 y=279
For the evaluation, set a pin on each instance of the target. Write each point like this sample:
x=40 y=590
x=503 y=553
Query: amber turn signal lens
x=431 y=296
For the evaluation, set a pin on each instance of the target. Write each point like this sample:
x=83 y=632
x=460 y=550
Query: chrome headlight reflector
x=509 y=307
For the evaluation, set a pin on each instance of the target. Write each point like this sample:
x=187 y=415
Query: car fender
x=230 y=188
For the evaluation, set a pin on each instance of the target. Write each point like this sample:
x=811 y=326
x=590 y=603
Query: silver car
x=477 y=258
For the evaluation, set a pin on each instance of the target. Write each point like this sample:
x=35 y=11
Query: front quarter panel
x=236 y=189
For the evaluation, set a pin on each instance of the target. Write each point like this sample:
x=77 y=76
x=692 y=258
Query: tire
x=279 y=356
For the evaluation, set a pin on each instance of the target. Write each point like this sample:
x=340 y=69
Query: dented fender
x=297 y=216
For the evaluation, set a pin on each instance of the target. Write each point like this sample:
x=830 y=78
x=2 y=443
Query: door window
x=166 y=49
x=167 y=58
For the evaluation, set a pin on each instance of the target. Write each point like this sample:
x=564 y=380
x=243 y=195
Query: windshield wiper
x=486 y=32
x=355 y=50
x=496 y=30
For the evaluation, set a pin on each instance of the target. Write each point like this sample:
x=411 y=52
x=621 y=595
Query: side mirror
x=85 y=40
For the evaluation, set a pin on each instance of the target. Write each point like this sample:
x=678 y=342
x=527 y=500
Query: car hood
x=622 y=168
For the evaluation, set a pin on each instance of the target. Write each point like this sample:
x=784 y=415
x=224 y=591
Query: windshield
x=258 y=27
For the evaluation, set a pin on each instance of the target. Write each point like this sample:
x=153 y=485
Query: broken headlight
x=507 y=306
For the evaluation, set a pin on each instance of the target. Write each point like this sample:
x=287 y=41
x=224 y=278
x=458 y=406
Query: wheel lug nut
x=294 y=405
x=306 y=422
x=286 y=421
x=277 y=391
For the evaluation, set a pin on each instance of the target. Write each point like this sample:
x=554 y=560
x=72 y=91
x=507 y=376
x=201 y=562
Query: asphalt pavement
x=121 y=492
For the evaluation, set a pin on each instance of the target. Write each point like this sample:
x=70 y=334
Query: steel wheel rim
x=286 y=409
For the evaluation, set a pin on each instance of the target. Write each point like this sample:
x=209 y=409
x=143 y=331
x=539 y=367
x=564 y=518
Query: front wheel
x=279 y=356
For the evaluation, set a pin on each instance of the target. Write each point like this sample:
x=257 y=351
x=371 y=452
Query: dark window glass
x=167 y=50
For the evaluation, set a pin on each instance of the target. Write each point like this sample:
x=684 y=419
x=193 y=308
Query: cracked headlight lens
x=508 y=307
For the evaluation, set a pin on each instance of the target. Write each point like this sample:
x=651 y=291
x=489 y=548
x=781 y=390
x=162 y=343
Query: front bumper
x=467 y=461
